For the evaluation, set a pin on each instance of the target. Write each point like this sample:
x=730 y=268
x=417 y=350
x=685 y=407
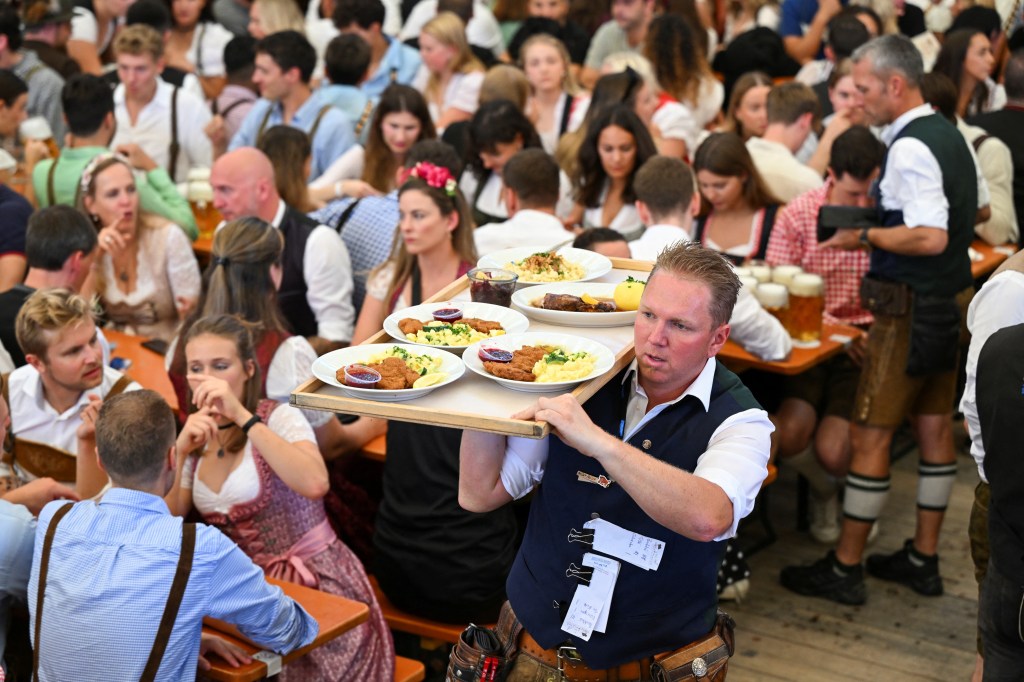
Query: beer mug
x=784 y=274
x=200 y=198
x=775 y=299
x=760 y=270
x=741 y=271
x=806 y=307
x=750 y=282
x=37 y=128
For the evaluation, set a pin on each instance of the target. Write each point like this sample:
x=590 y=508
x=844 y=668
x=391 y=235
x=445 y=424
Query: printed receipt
x=620 y=543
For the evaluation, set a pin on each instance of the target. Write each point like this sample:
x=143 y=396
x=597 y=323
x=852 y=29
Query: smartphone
x=832 y=218
x=156 y=345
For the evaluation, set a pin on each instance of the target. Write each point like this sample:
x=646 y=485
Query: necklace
x=220 y=445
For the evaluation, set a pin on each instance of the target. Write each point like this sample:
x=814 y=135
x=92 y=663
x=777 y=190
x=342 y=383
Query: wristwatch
x=865 y=242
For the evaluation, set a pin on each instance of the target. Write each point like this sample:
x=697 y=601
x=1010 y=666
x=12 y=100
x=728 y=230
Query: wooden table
x=834 y=340
x=991 y=257
x=335 y=615
x=147 y=366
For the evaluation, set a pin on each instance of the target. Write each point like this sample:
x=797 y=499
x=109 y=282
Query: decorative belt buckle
x=567 y=653
x=699 y=667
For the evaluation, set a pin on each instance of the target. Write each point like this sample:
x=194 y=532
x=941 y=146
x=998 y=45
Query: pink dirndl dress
x=289 y=536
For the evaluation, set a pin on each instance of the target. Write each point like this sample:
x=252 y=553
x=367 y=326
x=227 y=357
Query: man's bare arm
x=480 y=459
x=684 y=503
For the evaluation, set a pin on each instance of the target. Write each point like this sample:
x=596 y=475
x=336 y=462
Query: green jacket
x=157 y=193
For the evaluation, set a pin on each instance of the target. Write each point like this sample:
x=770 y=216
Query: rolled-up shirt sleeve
x=913 y=184
x=523 y=466
x=736 y=460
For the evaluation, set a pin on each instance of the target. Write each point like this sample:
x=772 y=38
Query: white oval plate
x=512 y=321
x=568 y=342
x=524 y=299
x=594 y=263
x=326 y=366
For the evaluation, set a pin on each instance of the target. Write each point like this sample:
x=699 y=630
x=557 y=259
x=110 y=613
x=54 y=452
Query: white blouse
x=206 y=52
x=182 y=270
x=348 y=166
x=243 y=483
x=627 y=220
x=462 y=92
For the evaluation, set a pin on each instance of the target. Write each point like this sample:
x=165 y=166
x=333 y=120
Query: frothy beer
x=775 y=299
x=37 y=128
x=806 y=307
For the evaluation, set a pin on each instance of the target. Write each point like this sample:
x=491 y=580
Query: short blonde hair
x=139 y=39
x=504 y=81
x=49 y=311
x=689 y=260
x=281 y=15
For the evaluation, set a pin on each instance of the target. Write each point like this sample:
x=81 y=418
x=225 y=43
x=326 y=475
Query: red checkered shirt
x=794 y=241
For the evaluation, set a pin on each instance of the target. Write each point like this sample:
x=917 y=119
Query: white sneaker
x=824 y=512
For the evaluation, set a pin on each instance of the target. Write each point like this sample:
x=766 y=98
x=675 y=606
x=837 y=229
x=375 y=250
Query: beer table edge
x=334 y=614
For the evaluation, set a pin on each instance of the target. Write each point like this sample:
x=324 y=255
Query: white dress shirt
x=654 y=239
x=913 y=178
x=751 y=326
x=206 y=52
x=526 y=228
x=999 y=304
x=736 y=459
x=785 y=176
x=327 y=271
x=152 y=130
x=33 y=418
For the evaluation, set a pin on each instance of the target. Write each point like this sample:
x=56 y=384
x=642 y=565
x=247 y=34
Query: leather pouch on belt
x=883 y=297
x=707 y=659
x=934 y=335
x=485 y=654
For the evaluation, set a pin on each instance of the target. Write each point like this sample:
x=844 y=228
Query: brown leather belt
x=573 y=668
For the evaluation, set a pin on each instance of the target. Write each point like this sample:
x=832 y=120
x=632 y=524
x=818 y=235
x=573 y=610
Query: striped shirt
x=110 y=572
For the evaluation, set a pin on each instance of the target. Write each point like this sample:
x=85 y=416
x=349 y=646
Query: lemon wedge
x=429 y=380
x=588 y=299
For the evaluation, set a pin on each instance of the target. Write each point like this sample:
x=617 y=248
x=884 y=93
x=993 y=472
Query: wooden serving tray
x=474 y=402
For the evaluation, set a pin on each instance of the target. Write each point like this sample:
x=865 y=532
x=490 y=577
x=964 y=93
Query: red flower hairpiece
x=437 y=177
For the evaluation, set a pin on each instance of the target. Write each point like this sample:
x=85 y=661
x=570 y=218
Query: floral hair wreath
x=90 y=168
x=437 y=177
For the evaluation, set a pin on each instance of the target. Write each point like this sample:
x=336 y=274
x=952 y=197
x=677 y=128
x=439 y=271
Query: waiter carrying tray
x=642 y=486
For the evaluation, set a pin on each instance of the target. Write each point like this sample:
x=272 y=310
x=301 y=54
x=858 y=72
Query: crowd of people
x=363 y=155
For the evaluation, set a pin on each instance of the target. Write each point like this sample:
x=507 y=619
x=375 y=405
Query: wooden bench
x=406 y=622
x=408 y=670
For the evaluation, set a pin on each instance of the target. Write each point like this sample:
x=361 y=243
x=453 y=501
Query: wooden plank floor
x=897 y=635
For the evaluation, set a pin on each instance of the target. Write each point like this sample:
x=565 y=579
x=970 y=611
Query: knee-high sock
x=865 y=497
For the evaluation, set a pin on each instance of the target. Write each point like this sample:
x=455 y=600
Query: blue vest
x=652 y=611
x=949 y=272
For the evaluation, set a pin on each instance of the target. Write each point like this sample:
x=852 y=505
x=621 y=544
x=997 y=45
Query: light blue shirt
x=17 y=533
x=368 y=233
x=333 y=136
x=400 y=59
x=110 y=572
x=352 y=101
